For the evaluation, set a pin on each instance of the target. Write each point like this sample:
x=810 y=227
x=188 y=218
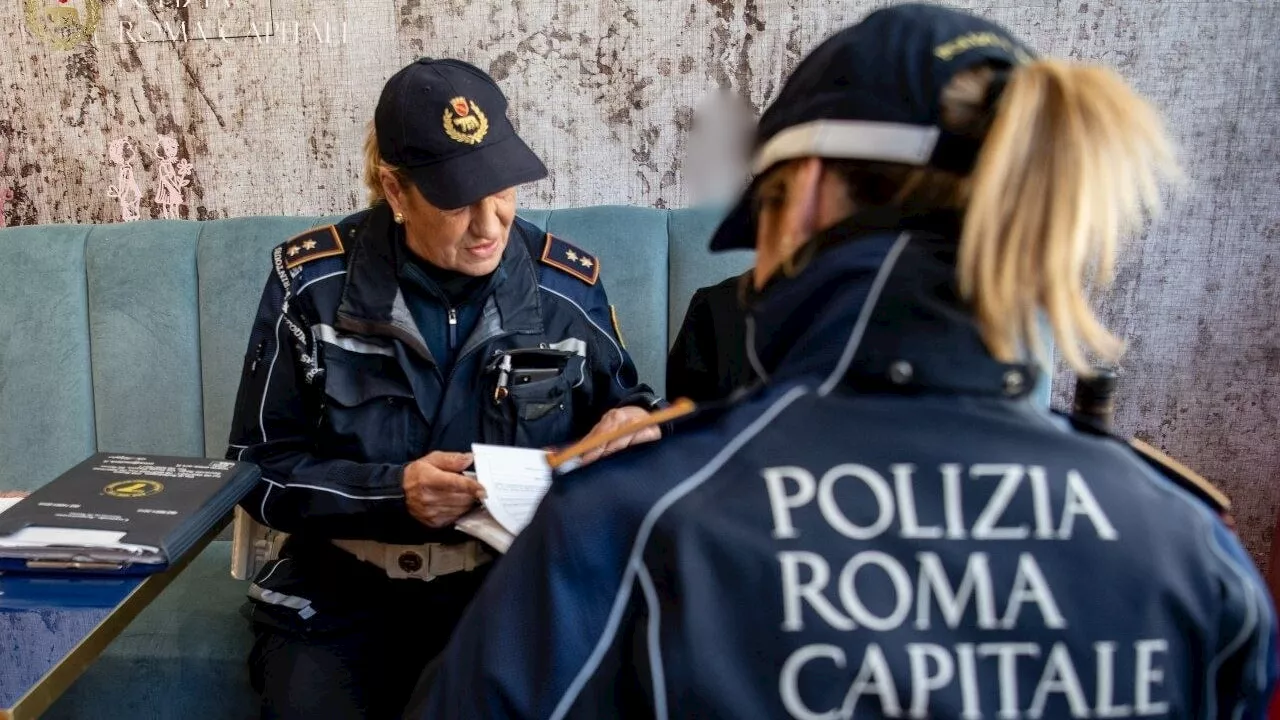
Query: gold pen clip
x=500 y=391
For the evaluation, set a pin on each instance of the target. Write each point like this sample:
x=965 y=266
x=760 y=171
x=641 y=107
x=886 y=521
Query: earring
x=399 y=218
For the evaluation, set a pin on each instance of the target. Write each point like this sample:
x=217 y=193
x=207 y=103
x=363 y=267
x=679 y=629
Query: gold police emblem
x=131 y=489
x=464 y=122
x=64 y=24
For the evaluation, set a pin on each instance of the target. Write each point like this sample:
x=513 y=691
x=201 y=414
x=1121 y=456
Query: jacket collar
x=878 y=311
x=373 y=301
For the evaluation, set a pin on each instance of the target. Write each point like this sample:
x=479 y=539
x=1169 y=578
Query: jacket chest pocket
x=370 y=410
x=529 y=399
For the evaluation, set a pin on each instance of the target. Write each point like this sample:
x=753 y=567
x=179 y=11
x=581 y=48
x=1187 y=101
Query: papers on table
x=515 y=481
x=37 y=541
x=105 y=545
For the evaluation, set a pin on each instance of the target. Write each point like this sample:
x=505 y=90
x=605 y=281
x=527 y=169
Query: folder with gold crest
x=121 y=514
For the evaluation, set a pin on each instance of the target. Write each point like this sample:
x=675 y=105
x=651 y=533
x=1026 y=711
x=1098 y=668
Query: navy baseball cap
x=873 y=91
x=445 y=123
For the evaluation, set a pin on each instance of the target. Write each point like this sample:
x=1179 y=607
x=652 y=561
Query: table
x=52 y=628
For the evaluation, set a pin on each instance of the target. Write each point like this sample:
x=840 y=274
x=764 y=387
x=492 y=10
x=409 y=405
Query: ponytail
x=1072 y=161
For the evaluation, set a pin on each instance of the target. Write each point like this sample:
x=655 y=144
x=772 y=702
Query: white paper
x=50 y=538
x=479 y=524
x=36 y=535
x=514 y=481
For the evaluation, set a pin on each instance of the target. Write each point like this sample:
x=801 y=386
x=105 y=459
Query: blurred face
x=469 y=240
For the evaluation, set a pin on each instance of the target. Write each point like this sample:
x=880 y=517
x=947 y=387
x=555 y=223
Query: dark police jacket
x=340 y=390
x=889 y=528
x=708 y=359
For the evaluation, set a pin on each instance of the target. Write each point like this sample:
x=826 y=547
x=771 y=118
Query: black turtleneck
x=457 y=288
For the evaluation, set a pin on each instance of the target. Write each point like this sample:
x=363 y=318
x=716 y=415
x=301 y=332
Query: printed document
x=514 y=481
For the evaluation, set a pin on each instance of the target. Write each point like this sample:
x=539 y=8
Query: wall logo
x=132 y=489
x=63 y=24
x=464 y=122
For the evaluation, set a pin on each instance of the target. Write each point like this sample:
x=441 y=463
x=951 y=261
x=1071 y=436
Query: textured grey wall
x=606 y=92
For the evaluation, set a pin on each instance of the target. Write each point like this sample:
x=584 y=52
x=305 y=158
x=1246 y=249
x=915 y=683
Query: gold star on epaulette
x=569 y=259
x=312 y=245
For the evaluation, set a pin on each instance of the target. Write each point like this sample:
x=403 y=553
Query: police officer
x=890 y=527
x=384 y=346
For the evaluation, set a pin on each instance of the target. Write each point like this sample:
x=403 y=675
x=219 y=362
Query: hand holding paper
x=436 y=492
x=514 y=481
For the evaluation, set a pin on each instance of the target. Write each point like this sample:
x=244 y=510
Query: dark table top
x=52 y=627
x=44 y=619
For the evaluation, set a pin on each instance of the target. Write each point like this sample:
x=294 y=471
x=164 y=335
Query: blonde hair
x=373 y=167
x=1071 y=161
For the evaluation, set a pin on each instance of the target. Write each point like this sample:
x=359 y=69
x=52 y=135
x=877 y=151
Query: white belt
x=424 y=562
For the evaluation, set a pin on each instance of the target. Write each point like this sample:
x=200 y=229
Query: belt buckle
x=413 y=563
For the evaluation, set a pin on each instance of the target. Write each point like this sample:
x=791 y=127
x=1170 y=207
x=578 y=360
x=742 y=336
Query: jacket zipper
x=452 y=315
x=457 y=361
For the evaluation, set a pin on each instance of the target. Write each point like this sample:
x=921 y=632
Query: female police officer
x=890 y=528
x=384 y=346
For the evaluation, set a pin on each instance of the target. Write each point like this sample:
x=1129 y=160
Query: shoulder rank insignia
x=1174 y=471
x=311 y=245
x=563 y=256
x=1183 y=476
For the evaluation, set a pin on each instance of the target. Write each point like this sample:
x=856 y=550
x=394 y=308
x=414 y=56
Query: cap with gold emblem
x=445 y=122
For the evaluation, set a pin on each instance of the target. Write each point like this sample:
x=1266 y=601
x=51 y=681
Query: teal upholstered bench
x=129 y=338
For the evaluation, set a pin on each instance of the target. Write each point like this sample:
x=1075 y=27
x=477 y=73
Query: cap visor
x=465 y=179
x=737 y=231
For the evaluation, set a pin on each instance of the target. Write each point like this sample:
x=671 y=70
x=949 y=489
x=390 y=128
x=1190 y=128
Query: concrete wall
x=607 y=91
